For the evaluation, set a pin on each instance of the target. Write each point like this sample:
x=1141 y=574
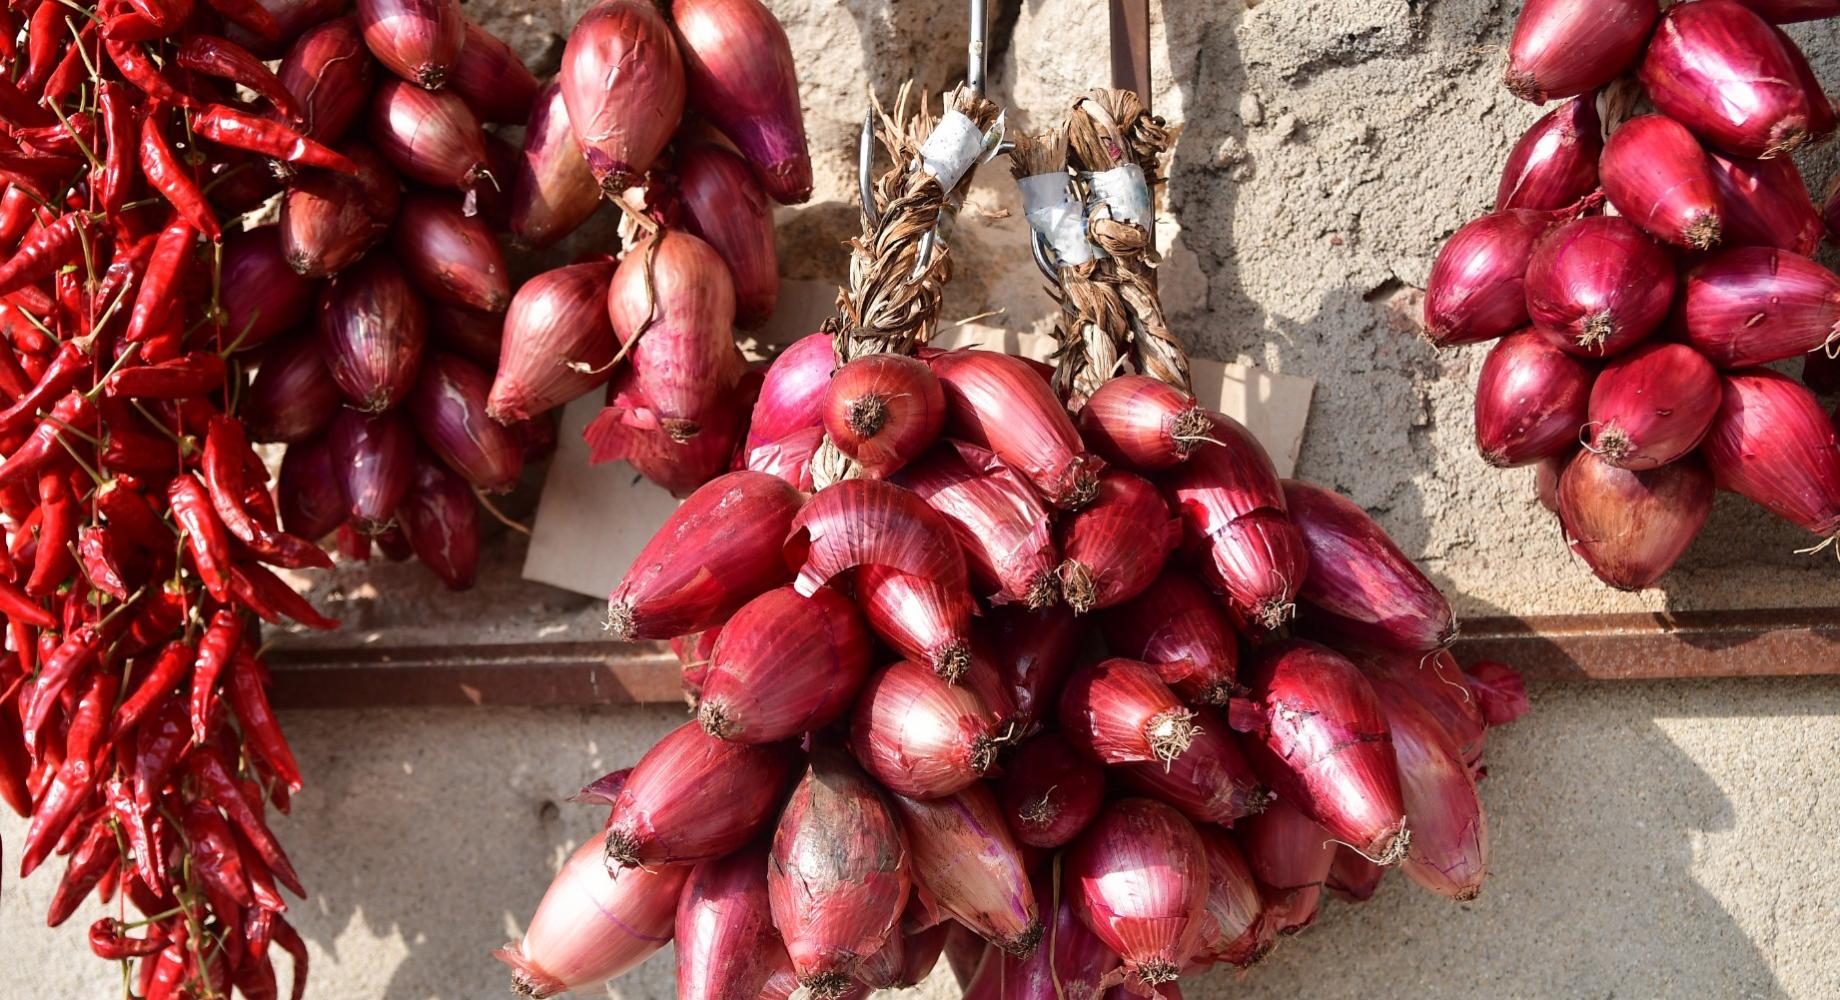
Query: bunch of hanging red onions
x=1635 y=274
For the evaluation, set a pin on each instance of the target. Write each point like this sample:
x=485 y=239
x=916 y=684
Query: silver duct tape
x=1124 y=192
x=1057 y=215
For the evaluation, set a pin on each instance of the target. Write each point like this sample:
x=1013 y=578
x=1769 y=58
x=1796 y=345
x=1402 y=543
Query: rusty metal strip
x=1767 y=643
x=1131 y=47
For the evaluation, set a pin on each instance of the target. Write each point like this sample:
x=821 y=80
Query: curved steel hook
x=865 y=168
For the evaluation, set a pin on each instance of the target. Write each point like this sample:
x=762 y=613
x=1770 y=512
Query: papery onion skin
x=330 y=72
x=1773 y=443
x=1032 y=652
x=718 y=550
x=1554 y=164
x=1755 y=305
x=430 y=137
x=1290 y=856
x=448 y=405
x=1050 y=792
x=628 y=428
x=591 y=926
x=725 y=941
x=920 y=736
x=440 y=518
x=858 y=522
x=686 y=359
x=791 y=396
x=373 y=330
x=450 y=257
x=372 y=456
x=883 y=410
x=623 y=84
x=1000 y=523
x=293 y=396
x=261 y=296
x=1766 y=204
x=1631 y=527
x=1563 y=48
x=1138 y=879
x=329 y=219
x=723 y=204
x=1438 y=684
x=1116 y=545
x=784 y=665
x=1322 y=744
x=1118 y=711
x=308 y=492
x=789 y=458
x=1142 y=423
x=999 y=402
x=1211 y=782
x=1477 y=288
x=1353 y=878
x=968 y=862
x=1499 y=689
x=556 y=324
x=1531 y=400
x=965 y=952
x=1719 y=69
x=741 y=76
x=1449 y=854
x=418 y=40
x=1546 y=478
x=1823 y=117
x=1598 y=286
x=1230 y=922
x=837 y=876
x=693 y=797
x=1652 y=405
x=553 y=191
x=1360 y=584
x=1178 y=627
x=491 y=78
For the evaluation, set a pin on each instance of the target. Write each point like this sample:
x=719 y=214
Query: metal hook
x=865 y=167
x=974 y=81
x=1043 y=254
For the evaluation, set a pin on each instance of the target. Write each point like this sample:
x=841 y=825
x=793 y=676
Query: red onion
x=1450 y=836
x=292 y=17
x=723 y=203
x=837 y=877
x=553 y=191
x=1754 y=305
x=965 y=952
x=1652 y=405
x=418 y=40
x=1790 y=11
x=1499 y=689
x=1118 y=711
x=921 y=736
x=448 y=405
x=308 y=491
x=261 y=296
x=1230 y=922
x=293 y=397
x=629 y=429
x=1596 y=286
x=1177 y=626
x=330 y=219
x=592 y=926
x=1477 y=288
x=788 y=458
x=1720 y=70
x=491 y=78
x=919 y=619
x=1000 y=523
x=624 y=86
x=474 y=335
x=330 y=74
x=1531 y=400
x=1050 y=792
x=373 y=457
x=1320 y=741
x=858 y=522
x=908 y=957
x=1766 y=204
x=967 y=861
x=693 y=652
x=452 y=258
x=1554 y=164
x=1438 y=684
x=1774 y=444
x=784 y=665
x=1143 y=423
x=430 y=137
x=602 y=791
x=718 y=550
x=1563 y=48
x=1656 y=174
x=1290 y=857
x=1138 y=879
x=1032 y=652
x=372 y=332
x=793 y=393
x=440 y=518
x=741 y=78
x=999 y=402
x=1546 y=478
x=1211 y=782
x=1115 y=547
x=1360 y=584
x=694 y=797
x=1353 y=878
x=883 y=410
x=1069 y=964
x=686 y=361
x=1630 y=527
x=1822 y=115
x=556 y=327
x=725 y=941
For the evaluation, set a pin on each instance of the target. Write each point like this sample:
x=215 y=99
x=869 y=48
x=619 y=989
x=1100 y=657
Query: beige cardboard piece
x=593 y=520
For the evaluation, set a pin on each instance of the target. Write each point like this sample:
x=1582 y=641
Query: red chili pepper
x=220 y=57
x=173 y=664
x=109 y=564
x=227 y=458
x=17 y=607
x=148 y=19
x=15 y=764
x=260 y=727
x=109 y=939
x=127 y=511
x=43 y=252
x=249 y=14
x=162 y=742
x=46 y=35
x=219 y=865
x=153 y=306
x=139 y=71
x=149 y=860
x=96 y=853
x=65 y=138
x=89 y=724
x=68 y=365
x=137 y=452
x=289 y=940
x=165 y=174
x=240 y=130
x=13 y=380
x=78 y=652
x=74 y=411
x=272 y=599
x=215 y=651
x=171 y=970
x=57 y=808
x=255 y=974
x=211 y=772
x=16 y=206
x=57 y=531
x=115 y=177
x=71 y=72
x=191 y=375
x=204 y=534
x=160 y=613
x=42 y=174
x=16 y=108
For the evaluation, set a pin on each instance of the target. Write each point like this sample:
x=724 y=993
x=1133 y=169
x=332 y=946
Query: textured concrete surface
x=1650 y=840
